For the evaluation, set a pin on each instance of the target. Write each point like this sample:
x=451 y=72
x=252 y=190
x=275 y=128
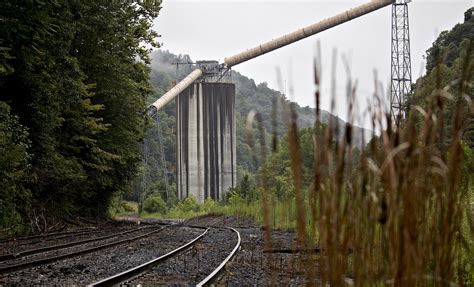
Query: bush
x=154 y=203
x=208 y=205
x=235 y=198
x=189 y=204
x=129 y=207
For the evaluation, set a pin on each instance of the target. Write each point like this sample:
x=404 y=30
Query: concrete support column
x=206 y=148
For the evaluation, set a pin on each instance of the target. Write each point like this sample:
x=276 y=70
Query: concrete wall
x=206 y=151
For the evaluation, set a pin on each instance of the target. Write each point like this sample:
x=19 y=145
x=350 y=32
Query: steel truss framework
x=148 y=152
x=401 y=61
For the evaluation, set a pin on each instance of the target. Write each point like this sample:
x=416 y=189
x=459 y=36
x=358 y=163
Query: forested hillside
x=447 y=62
x=73 y=84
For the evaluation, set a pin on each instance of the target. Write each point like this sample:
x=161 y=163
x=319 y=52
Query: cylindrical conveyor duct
x=176 y=90
x=306 y=32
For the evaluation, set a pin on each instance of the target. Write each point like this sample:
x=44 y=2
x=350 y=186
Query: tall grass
x=401 y=212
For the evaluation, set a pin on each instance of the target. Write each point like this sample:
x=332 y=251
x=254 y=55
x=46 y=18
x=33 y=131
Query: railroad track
x=191 y=251
x=8 y=267
x=59 y=237
x=44 y=236
x=14 y=255
x=55 y=236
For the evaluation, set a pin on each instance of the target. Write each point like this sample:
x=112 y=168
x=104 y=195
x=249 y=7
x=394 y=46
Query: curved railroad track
x=214 y=273
x=205 y=255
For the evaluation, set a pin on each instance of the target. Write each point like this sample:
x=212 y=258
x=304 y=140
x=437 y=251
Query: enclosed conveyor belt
x=306 y=32
x=176 y=90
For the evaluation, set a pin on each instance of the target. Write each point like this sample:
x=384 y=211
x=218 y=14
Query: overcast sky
x=213 y=30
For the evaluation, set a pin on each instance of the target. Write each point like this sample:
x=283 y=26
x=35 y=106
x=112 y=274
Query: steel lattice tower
x=401 y=61
x=157 y=151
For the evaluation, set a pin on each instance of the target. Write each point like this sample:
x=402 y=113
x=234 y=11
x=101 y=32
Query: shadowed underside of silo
x=206 y=152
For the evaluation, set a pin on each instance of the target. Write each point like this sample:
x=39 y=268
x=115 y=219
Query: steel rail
x=136 y=271
x=219 y=268
x=66 y=245
x=24 y=265
x=38 y=236
x=71 y=234
x=59 y=237
x=33 y=241
x=63 y=236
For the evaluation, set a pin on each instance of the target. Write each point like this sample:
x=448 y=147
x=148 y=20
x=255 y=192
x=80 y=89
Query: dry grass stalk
x=392 y=212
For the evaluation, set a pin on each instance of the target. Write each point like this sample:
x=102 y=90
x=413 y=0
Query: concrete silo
x=206 y=148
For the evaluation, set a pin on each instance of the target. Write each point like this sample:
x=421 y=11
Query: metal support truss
x=151 y=150
x=401 y=61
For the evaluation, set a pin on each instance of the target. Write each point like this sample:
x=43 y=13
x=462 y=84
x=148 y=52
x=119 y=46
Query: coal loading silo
x=206 y=149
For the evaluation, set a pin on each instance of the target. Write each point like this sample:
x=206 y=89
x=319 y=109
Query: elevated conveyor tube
x=306 y=32
x=287 y=39
x=176 y=90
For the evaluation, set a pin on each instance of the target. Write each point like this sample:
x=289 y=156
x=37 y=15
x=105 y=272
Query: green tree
x=74 y=74
x=447 y=46
x=14 y=167
x=114 y=58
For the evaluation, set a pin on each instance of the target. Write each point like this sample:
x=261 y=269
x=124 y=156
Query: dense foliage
x=449 y=44
x=73 y=83
x=154 y=203
x=448 y=61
